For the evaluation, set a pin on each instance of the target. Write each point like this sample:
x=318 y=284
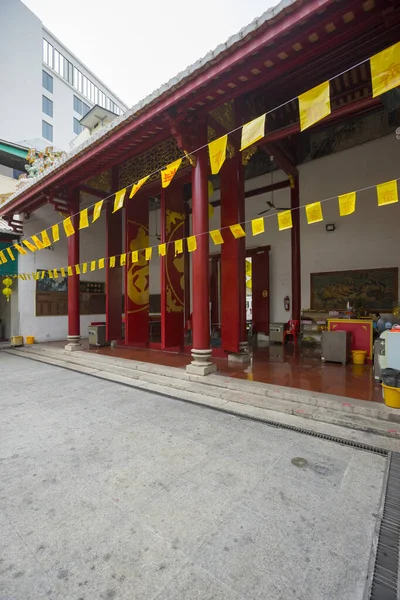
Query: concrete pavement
x=109 y=492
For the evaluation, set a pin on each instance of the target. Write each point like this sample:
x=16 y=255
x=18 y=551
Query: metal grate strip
x=384 y=584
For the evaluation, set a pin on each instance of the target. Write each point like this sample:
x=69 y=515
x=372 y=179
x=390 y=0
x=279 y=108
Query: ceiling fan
x=271 y=203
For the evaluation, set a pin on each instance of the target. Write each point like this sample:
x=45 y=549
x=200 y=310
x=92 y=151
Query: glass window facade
x=47 y=82
x=47 y=131
x=47 y=106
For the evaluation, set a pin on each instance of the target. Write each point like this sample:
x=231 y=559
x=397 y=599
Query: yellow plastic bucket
x=391 y=396
x=29 y=339
x=359 y=356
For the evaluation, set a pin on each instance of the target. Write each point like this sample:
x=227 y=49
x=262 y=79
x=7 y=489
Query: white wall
x=370 y=238
x=92 y=246
x=20 y=72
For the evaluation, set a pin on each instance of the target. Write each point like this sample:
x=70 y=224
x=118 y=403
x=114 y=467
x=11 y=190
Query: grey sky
x=134 y=46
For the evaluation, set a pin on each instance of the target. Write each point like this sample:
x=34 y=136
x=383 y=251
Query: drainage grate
x=384 y=584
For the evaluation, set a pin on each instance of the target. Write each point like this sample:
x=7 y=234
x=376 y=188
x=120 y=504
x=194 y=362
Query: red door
x=260 y=290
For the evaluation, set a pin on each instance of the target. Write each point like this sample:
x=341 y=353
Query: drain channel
x=385 y=578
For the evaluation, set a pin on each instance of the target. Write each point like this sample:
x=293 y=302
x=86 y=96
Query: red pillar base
x=201 y=363
x=74 y=343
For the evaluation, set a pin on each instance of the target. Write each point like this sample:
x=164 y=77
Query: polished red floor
x=285 y=366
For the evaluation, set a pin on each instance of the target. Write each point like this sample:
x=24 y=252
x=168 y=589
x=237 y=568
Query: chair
x=292 y=329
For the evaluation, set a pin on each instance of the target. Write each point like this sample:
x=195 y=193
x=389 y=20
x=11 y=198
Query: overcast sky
x=134 y=46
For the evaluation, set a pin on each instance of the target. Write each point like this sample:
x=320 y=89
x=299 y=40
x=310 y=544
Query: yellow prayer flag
x=217 y=153
x=168 y=173
x=347 y=204
x=37 y=242
x=136 y=186
x=285 y=220
x=257 y=226
x=10 y=254
x=162 y=249
x=93 y=265
x=216 y=237
x=84 y=268
x=36 y=275
x=385 y=70
x=314 y=213
x=112 y=262
x=101 y=263
x=122 y=260
x=83 y=219
x=237 y=231
x=43 y=273
x=178 y=247
x=135 y=256
x=314 y=105
x=55 y=232
x=45 y=239
x=55 y=274
x=77 y=269
x=252 y=132
x=387 y=193
x=97 y=210
x=20 y=249
x=2 y=257
x=148 y=253
x=191 y=243
x=119 y=200
x=30 y=246
x=62 y=271
x=68 y=227
x=69 y=271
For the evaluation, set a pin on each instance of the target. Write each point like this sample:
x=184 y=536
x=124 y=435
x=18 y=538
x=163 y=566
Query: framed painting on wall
x=377 y=289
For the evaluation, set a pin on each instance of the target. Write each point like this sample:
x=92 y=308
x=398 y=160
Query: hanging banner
x=10 y=254
x=285 y=220
x=101 y=263
x=69 y=271
x=97 y=210
x=191 y=243
x=135 y=256
x=77 y=269
x=162 y=249
x=62 y=271
x=385 y=70
x=122 y=260
x=2 y=257
x=237 y=231
x=314 y=105
x=136 y=186
x=55 y=232
x=148 y=253
x=314 y=213
x=178 y=247
x=217 y=153
x=112 y=262
x=83 y=219
x=387 y=193
x=168 y=173
x=45 y=239
x=68 y=227
x=37 y=242
x=252 y=132
x=257 y=226
x=216 y=237
x=119 y=200
x=20 y=249
x=347 y=204
x=93 y=265
x=30 y=246
x=84 y=268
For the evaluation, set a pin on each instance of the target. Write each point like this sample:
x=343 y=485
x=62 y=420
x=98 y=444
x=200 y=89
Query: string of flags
x=386 y=193
x=314 y=105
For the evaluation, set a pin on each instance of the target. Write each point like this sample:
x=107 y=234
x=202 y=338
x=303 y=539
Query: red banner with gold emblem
x=172 y=268
x=137 y=273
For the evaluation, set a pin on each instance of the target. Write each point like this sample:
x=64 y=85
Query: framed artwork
x=377 y=289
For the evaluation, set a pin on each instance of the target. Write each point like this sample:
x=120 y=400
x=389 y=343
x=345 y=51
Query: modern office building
x=45 y=89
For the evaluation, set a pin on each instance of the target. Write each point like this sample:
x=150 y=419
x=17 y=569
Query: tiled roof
x=172 y=84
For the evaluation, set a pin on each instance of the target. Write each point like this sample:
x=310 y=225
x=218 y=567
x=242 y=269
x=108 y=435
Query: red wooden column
x=201 y=351
x=74 y=326
x=233 y=260
x=296 y=257
x=113 y=275
x=172 y=268
x=137 y=274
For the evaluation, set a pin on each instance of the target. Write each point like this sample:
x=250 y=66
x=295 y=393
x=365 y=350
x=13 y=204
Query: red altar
x=361 y=333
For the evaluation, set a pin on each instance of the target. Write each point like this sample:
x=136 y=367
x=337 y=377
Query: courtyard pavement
x=107 y=492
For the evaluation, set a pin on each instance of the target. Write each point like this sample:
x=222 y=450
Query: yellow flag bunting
x=217 y=153
x=314 y=105
x=385 y=70
x=168 y=173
